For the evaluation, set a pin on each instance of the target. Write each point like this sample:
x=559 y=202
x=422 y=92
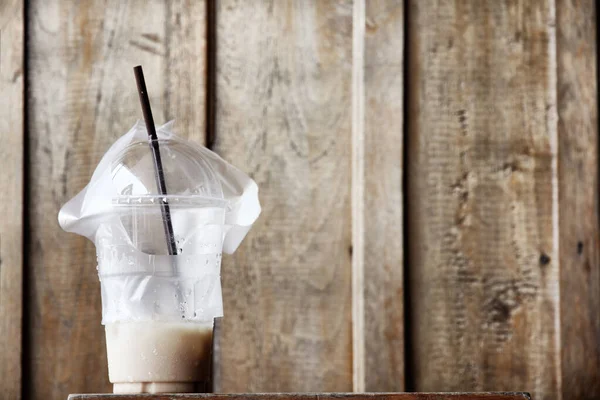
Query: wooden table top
x=310 y=396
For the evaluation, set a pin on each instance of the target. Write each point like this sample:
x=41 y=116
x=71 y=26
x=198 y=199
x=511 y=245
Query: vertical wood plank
x=11 y=196
x=358 y=196
x=484 y=196
x=382 y=212
x=82 y=98
x=284 y=115
x=185 y=68
x=578 y=177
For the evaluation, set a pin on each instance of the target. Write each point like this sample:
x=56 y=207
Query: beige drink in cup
x=155 y=357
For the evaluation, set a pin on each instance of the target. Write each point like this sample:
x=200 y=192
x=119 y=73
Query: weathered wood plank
x=578 y=179
x=483 y=196
x=184 y=68
x=382 y=212
x=82 y=98
x=316 y=396
x=11 y=196
x=284 y=115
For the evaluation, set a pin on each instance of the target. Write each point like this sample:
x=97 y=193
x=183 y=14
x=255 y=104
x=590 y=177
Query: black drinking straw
x=158 y=168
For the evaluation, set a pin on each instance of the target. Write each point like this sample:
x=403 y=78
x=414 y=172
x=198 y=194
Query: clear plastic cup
x=158 y=309
x=158 y=305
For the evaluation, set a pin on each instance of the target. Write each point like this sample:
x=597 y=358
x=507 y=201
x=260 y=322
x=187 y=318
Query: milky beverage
x=158 y=357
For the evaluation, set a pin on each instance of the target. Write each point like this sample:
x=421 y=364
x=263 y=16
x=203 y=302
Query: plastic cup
x=158 y=308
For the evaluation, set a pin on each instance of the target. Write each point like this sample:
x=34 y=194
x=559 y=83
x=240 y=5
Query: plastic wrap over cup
x=159 y=308
x=141 y=283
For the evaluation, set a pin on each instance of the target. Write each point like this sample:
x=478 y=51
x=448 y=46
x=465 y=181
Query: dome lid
x=189 y=176
x=194 y=177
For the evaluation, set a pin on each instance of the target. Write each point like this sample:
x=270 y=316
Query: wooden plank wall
x=493 y=198
x=291 y=100
x=483 y=196
x=578 y=200
x=11 y=195
x=284 y=112
x=382 y=212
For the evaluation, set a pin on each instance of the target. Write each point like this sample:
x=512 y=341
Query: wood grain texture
x=184 y=68
x=382 y=212
x=315 y=396
x=83 y=97
x=578 y=177
x=284 y=116
x=11 y=196
x=483 y=196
